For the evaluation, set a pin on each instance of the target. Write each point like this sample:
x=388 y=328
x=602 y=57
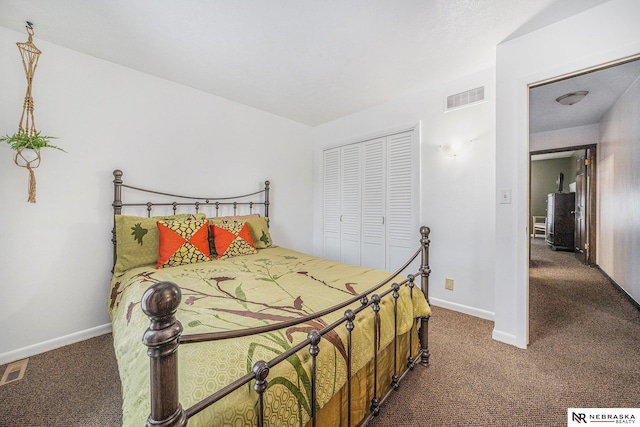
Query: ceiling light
x=572 y=98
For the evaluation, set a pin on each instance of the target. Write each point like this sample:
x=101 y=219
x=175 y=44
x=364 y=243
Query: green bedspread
x=274 y=285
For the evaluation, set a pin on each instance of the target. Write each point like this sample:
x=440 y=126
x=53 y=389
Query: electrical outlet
x=448 y=284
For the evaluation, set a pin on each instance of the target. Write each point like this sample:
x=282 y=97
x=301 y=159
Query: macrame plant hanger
x=30 y=54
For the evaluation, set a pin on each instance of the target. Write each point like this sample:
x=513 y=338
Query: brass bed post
x=425 y=271
x=117 y=208
x=160 y=303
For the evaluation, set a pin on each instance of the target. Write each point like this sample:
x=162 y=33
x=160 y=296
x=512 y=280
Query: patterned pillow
x=137 y=240
x=260 y=232
x=183 y=242
x=258 y=229
x=232 y=239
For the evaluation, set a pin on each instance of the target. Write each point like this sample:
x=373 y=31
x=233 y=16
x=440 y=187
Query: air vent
x=464 y=99
x=14 y=372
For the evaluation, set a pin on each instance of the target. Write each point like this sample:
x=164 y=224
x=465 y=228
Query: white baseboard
x=507 y=338
x=31 y=350
x=472 y=311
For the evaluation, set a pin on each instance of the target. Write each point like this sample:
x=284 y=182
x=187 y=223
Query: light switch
x=505 y=196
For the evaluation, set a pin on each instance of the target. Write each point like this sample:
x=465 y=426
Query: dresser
x=561 y=220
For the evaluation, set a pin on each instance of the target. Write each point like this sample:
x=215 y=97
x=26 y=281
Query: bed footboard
x=160 y=303
x=164 y=336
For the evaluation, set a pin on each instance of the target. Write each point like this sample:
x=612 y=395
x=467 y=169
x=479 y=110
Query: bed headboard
x=214 y=206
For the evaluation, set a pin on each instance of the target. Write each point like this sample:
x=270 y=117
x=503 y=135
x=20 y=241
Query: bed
x=264 y=336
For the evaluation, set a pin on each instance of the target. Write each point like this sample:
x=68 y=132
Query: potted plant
x=21 y=140
x=24 y=145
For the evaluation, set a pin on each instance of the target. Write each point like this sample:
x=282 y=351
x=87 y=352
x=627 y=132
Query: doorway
x=570 y=172
x=572 y=130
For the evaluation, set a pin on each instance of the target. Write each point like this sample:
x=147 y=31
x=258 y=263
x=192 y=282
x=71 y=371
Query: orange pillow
x=232 y=239
x=183 y=242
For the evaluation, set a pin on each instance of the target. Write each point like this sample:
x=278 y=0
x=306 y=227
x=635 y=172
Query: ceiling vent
x=465 y=99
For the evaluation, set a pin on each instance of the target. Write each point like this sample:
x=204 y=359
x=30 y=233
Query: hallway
x=563 y=291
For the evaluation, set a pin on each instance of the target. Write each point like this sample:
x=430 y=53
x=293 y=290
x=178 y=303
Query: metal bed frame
x=164 y=335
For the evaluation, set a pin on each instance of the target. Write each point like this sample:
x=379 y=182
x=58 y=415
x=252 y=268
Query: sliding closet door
x=373 y=203
x=402 y=198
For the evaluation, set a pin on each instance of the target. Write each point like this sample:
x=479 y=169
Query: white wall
x=56 y=254
x=457 y=194
x=564 y=138
x=597 y=36
x=618 y=233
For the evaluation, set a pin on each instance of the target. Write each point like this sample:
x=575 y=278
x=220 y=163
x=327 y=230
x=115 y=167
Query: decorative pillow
x=234 y=217
x=183 y=242
x=137 y=240
x=258 y=229
x=232 y=239
x=260 y=232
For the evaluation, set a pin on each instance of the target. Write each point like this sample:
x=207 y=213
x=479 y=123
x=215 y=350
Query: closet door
x=373 y=203
x=331 y=203
x=402 y=198
x=350 y=201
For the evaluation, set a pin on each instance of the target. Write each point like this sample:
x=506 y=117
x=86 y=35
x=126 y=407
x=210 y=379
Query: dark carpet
x=75 y=385
x=583 y=352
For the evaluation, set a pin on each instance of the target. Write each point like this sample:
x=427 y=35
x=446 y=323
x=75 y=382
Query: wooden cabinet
x=561 y=221
x=370 y=201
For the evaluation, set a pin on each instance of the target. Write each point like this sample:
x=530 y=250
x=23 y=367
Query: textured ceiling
x=605 y=87
x=309 y=61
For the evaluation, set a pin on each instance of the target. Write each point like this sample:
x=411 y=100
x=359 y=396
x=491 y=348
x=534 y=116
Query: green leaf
x=294 y=360
x=293 y=389
x=264 y=238
x=139 y=232
x=280 y=340
x=250 y=353
x=23 y=139
x=252 y=349
x=242 y=297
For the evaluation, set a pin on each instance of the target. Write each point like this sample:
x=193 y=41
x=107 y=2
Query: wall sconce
x=456 y=149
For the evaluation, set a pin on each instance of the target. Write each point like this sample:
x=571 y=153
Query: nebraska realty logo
x=581 y=416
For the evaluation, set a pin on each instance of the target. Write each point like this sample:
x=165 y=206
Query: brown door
x=581 y=210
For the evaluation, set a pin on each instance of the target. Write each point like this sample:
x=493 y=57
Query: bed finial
x=160 y=303
x=425 y=231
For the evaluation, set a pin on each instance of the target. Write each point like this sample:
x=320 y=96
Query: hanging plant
x=22 y=140
x=27 y=142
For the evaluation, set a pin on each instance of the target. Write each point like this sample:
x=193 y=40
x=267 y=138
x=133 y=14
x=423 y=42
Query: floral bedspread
x=274 y=285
